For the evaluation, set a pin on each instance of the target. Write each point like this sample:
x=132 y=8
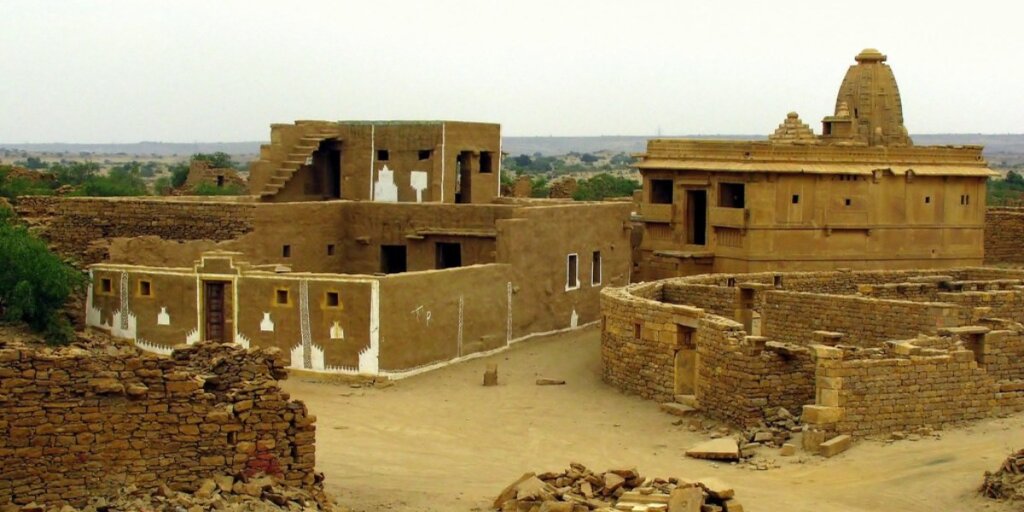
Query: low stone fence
x=77 y=423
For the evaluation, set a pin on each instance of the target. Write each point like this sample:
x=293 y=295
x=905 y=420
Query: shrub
x=209 y=189
x=35 y=283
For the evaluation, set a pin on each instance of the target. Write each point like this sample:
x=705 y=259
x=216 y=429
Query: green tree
x=588 y=158
x=179 y=173
x=539 y=187
x=1013 y=178
x=162 y=186
x=602 y=186
x=11 y=187
x=217 y=160
x=35 y=283
x=120 y=181
x=34 y=162
x=75 y=173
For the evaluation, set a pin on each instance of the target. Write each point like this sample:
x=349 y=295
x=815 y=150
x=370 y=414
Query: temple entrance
x=685 y=361
x=215 y=316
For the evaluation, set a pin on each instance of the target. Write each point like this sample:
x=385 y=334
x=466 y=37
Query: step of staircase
x=690 y=400
x=677 y=409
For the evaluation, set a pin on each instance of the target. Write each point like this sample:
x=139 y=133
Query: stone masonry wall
x=76 y=227
x=741 y=382
x=792 y=317
x=717 y=300
x=1004 y=235
x=77 y=422
x=874 y=393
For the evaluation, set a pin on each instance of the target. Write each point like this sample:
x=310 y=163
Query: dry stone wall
x=78 y=227
x=793 y=317
x=76 y=422
x=876 y=392
x=1004 y=235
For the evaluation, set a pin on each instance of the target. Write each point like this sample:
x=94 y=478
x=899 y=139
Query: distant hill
x=995 y=145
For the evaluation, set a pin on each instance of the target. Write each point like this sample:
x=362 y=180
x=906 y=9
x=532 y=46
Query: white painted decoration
x=337 y=333
x=152 y=347
x=162 y=318
x=267 y=325
x=241 y=340
x=316 y=357
x=418 y=181
x=574 y=320
x=192 y=337
x=384 y=189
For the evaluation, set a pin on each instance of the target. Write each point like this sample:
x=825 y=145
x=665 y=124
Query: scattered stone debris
x=222 y=492
x=578 y=489
x=776 y=431
x=1008 y=482
x=550 y=382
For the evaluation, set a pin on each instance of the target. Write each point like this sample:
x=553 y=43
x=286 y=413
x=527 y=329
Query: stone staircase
x=290 y=147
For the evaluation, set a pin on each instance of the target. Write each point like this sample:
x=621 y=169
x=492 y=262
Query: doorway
x=449 y=255
x=393 y=259
x=464 y=178
x=685 y=361
x=327 y=168
x=215 y=309
x=696 y=217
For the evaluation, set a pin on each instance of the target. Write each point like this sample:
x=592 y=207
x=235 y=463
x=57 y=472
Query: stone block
x=723 y=448
x=820 y=415
x=835 y=446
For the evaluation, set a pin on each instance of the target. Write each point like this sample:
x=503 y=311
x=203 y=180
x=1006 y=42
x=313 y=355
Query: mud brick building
x=858 y=352
x=860 y=195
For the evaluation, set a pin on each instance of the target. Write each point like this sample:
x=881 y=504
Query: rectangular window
x=927 y=199
x=731 y=195
x=796 y=198
x=382 y=155
x=636 y=330
x=448 y=255
x=595 y=269
x=967 y=199
x=661 y=192
x=286 y=251
x=281 y=297
x=330 y=249
x=332 y=300
x=424 y=154
x=393 y=259
x=220 y=181
x=847 y=201
x=486 y=162
x=145 y=288
x=572 y=272
x=106 y=285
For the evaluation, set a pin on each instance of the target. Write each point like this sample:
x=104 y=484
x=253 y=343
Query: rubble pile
x=222 y=493
x=775 y=431
x=1008 y=482
x=578 y=489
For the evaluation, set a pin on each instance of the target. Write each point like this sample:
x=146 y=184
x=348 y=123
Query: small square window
x=424 y=154
x=106 y=285
x=286 y=251
x=848 y=201
x=330 y=249
x=333 y=300
x=927 y=199
x=281 y=297
x=382 y=155
x=796 y=198
x=145 y=289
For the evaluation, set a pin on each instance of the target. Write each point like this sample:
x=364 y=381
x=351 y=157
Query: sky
x=190 y=71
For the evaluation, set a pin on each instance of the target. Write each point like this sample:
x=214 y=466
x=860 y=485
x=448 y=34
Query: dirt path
x=443 y=442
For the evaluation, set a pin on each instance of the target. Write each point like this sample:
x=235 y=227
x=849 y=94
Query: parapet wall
x=1004 y=235
x=80 y=228
x=77 y=423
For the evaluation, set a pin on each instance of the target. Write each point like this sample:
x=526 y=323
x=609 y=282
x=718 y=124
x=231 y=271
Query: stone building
x=200 y=172
x=383 y=161
x=860 y=195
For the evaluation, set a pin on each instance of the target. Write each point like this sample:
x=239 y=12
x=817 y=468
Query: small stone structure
x=80 y=422
x=1004 y=235
x=859 y=353
x=200 y=172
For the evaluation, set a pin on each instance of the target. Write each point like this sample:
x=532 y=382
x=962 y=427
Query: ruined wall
x=1004 y=235
x=742 y=382
x=77 y=423
x=78 y=227
x=717 y=300
x=874 y=392
x=793 y=317
x=1004 y=304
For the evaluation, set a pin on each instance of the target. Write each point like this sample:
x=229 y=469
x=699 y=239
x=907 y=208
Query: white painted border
x=444 y=137
x=577 y=276
x=373 y=155
x=599 y=266
x=500 y=155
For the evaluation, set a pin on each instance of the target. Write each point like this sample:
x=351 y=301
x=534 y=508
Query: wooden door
x=215 y=314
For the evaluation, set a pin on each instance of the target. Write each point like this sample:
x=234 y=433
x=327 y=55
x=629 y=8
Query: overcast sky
x=183 y=71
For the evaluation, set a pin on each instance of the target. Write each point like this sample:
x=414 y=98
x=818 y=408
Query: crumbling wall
x=881 y=391
x=79 y=227
x=77 y=423
x=741 y=378
x=1004 y=235
x=1001 y=354
x=1004 y=304
x=793 y=317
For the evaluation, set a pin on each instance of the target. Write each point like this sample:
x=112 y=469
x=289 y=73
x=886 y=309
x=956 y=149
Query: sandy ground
x=442 y=442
